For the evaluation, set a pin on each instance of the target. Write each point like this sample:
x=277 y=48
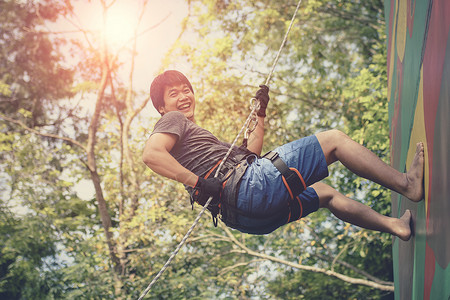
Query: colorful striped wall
x=419 y=110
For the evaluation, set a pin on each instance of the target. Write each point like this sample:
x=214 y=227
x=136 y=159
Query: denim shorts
x=263 y=198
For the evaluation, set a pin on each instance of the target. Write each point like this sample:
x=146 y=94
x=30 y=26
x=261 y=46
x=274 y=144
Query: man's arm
x=256 y=138
x=157 y=157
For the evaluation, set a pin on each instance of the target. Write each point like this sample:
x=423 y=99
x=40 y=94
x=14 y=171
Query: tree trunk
x=101 y=202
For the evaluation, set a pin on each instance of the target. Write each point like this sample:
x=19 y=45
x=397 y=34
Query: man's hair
x=168 y=78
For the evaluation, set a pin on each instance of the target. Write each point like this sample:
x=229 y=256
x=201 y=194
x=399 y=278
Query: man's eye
x=186 y=91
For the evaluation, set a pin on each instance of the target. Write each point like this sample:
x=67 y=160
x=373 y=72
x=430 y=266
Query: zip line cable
x=255 y=106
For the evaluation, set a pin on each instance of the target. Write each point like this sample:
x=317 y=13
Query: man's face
x=179 y=98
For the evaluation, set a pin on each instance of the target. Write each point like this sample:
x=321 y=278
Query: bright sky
x=151 y=46
x=122 y=17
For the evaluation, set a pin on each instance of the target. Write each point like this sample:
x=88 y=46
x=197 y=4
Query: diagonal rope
x=246 y=124
x=283 y=42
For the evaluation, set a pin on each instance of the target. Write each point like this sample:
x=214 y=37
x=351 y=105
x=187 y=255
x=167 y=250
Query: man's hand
x=211 y=187
x=263 y=96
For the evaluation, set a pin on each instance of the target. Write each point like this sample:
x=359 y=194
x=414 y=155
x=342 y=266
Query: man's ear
x=161 y=110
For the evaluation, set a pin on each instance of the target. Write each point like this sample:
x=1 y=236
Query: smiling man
x=255 y=194
x=179 y=97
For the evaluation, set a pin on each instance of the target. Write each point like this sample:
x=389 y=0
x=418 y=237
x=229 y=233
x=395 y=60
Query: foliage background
x=331 y=74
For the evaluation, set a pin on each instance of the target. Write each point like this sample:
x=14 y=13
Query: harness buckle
x=271 y=155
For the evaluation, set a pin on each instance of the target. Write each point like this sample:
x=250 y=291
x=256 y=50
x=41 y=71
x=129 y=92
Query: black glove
x=263 y=96
x=211 y=187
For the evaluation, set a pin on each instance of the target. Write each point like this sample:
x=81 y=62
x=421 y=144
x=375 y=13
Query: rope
x=283 y=43
x=175 y=252
x=246 y=124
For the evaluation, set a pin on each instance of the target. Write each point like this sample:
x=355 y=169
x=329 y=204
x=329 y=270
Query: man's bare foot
x=414 y=176
x=403 y=227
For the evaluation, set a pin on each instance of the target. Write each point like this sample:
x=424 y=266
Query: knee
x=330 y=141
x=325 y=194
x=332 y=137
x=337 y=136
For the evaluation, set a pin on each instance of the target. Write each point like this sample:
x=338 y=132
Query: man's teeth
x=184 y=106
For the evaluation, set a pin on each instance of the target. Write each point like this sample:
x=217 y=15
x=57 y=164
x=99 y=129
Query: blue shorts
x=263 y=197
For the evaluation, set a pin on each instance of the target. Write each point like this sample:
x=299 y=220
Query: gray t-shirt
x=196 y=149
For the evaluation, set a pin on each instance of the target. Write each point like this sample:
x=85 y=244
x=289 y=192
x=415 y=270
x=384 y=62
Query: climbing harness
x=293 y=181
x=254 y=108
x=228 y=170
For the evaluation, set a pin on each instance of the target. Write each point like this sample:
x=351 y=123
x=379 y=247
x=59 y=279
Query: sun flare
x=120 y=25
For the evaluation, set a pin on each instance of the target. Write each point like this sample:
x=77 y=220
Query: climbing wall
x=419 y=110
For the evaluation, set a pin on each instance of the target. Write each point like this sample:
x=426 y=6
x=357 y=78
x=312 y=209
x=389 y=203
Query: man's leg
x=338 y=146
x=356 y=213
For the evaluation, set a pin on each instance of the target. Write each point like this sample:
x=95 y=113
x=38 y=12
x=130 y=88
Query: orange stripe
x=287 y=187
x=207 y=175
x=301 y=207
x=212 y=169
x=300 y=176
x=291 y=195
x=225 y=182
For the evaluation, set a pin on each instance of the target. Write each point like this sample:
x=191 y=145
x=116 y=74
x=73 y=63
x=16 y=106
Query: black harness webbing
x=292 y=177
x=233 y=169
x=293 y=181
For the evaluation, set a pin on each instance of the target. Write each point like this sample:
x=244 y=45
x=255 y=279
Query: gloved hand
x=207 y=188
x=263 y=96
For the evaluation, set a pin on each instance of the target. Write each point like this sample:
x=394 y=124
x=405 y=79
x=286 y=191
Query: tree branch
x=383 y=287
x=355 y=269
x=54 y=136
x=225 y=270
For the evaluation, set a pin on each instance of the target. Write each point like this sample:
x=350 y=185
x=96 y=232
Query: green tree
x=29 y=60
x=37 y=210
x=25 y=246
x=110 y=246
x=68 y=142
x=330 y=74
